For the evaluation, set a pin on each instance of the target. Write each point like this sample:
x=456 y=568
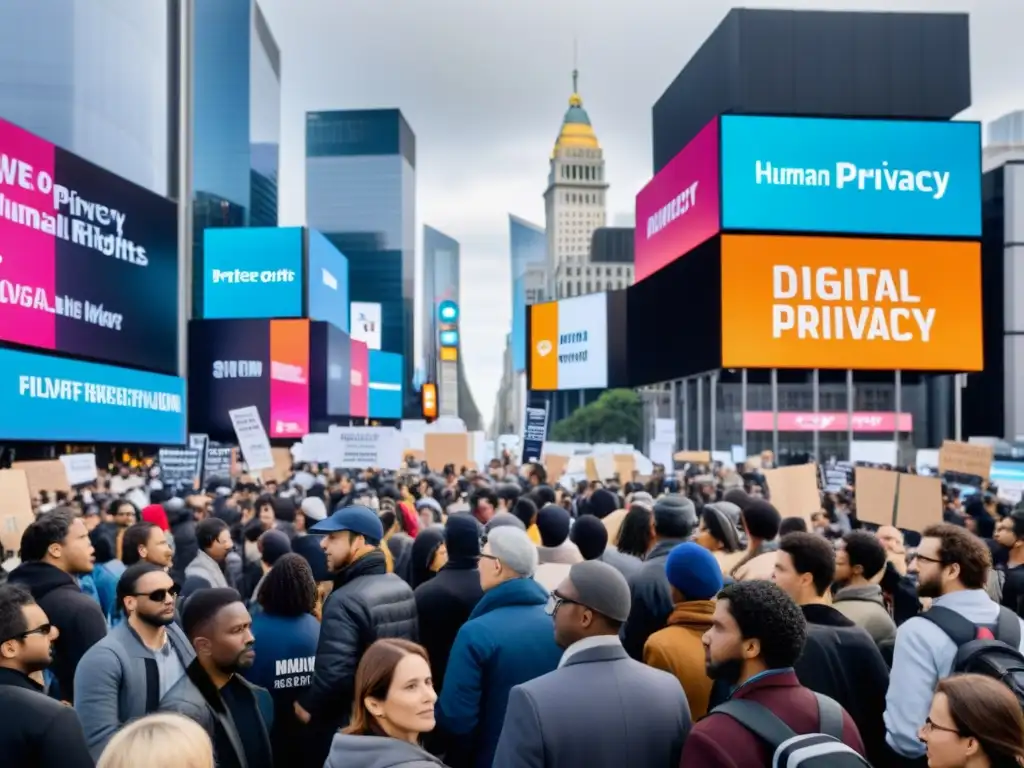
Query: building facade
x=361 y=193
x=98 y=79
x=440 y=283
x=528 y=251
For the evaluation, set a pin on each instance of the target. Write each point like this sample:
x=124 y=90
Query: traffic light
x=428 y=395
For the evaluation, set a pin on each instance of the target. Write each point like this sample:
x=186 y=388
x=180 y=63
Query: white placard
x=665 y=432
x=873 y=452
x=365 y=322
x=80 y=468
x=363 y=447
x=252 y=437
x=661 y=453
x=316 y=448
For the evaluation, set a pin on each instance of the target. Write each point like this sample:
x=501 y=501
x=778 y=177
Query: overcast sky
x=484 y=86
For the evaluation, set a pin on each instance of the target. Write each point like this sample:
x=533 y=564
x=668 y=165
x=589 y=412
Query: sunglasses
x=42 y=629
x=159 y=595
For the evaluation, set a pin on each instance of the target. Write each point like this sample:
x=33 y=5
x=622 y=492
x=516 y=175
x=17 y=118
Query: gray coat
x=601 y=709
x=865 y=607
x=114 y=682
x=206 y=568
x=377 y=752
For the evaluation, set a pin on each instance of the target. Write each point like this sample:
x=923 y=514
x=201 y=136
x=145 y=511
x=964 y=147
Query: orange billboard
x=543 y=340
x=831 y=302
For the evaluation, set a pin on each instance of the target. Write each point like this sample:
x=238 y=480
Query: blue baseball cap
x=359 y=520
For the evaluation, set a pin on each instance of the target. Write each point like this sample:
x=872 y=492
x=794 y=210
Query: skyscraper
x=361 y=193
x=528 y=250
x=98 y=79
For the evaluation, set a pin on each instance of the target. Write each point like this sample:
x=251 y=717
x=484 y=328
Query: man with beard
x=35 y=730
x=124 y=676
x=952 y=567
x=757 y=634
x=236 y=714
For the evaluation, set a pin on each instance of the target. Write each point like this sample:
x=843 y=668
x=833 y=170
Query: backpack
x=982 y=651
x=790 y=749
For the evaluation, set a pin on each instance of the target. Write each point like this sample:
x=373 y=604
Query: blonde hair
x=159 y=741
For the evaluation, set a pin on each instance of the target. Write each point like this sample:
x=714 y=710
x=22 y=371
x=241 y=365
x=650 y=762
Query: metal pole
x=186 y=85
x=899 y=408
x=849 y=413
x=959 y=381
x=686 y=414
x=714 y=409
x=815 y=399
x=743 y=410
x=700 y=413
x=775 y=416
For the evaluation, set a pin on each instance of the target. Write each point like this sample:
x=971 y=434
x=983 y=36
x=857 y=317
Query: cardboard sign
x=794 y=490
x=47 y=475
x=965 y=458
x=692 y=457
x=447 y=448
x=15 y=508
x=876 y=495
x=555 y=466
x=919 y=502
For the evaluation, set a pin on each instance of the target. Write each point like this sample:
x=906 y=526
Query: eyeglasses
x=555 y=600
x=42 y=629
x=159 y=595
x=488 y=557
x=930 y=726
x=927 y=559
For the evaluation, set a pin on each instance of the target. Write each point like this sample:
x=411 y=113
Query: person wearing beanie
x=675 y=518
x=507 y=640
x=599 y=708
x=444 y=603
x=556 y=552
x=590 y=537
x=526 y=510
x=761 y=523
x=601 y=503
x=272 y=546
x=311 y=511
x=367 y=603
x=503 y=518
x=695 y=577
x=718 y=534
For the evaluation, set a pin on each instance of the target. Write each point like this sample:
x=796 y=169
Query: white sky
x=484 y=86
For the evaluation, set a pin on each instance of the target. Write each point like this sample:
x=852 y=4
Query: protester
x=952 y=567
x=55 y=548
x=159 y=741
x=285 y=636
x=840 y=659
x=694 y=576
x=393 y=708
x=761 y=523
x=428 y=556
x=718 y=534
x=445 y=602
x=1010 y=534
x=973 y=721
x=367 y=604
x=272 y=545
x=526 y=511
x=557 y=553
x=146 y=542
x=599 y=707
x=207 y=569
x=860 y=561
x=35 y=730
x=183 y=533
x=635 y=535
x=675 y=517
x=507 y=640
x=235 y=714
x=483 y=503
x=757 y=635
x=125 y=674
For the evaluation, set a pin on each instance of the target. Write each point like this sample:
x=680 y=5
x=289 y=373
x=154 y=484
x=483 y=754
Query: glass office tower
x=528 y=249
x=98 y=78
x=440 y=283
x=361 y=194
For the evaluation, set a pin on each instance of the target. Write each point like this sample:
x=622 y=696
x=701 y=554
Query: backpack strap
x=757 y=719
x=1008 y=628
x=830 y=716
x=957 y=628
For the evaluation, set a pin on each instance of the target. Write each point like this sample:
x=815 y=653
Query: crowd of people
x=374 y=619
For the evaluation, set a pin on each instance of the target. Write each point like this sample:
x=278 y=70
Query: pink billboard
x=289 y=378
x=795 y=421
x=359 y=403
x=679 y=208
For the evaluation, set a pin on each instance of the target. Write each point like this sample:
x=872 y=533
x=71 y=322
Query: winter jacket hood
x=348 y=751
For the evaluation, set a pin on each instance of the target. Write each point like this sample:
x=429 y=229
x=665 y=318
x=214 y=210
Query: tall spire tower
x=574 y=202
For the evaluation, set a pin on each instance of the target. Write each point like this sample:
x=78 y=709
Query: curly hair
x=289 y=588
x=763 y=611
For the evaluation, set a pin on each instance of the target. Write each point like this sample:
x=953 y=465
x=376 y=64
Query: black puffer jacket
x=652 y=600
x=367 y=603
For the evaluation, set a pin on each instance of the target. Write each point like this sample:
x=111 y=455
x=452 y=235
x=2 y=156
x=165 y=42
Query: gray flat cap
x=601 y=588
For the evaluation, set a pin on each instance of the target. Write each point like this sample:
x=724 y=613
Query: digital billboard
x=366 y=323
x=88 y=260
x=821 y=302
x=327 y=282
x=359 y=379
x=385 y=385
x=289 y=378
x=678 y=209
x=252 y=272
x=49 y=398
x=569 y=343
x=329 y=373
x=878 y=177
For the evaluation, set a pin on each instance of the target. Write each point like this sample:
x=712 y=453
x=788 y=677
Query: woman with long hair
x=393 y=708
x=159 y=741
x=636 y=536
x=427 y=556
x=975 y=722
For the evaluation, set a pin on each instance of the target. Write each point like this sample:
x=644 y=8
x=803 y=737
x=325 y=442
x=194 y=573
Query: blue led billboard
x=252 y=272
x=879 y=177
x=385 y=385
x=328 y=282
x=54 y=399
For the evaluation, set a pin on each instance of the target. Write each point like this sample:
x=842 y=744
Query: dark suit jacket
x=601 y=709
